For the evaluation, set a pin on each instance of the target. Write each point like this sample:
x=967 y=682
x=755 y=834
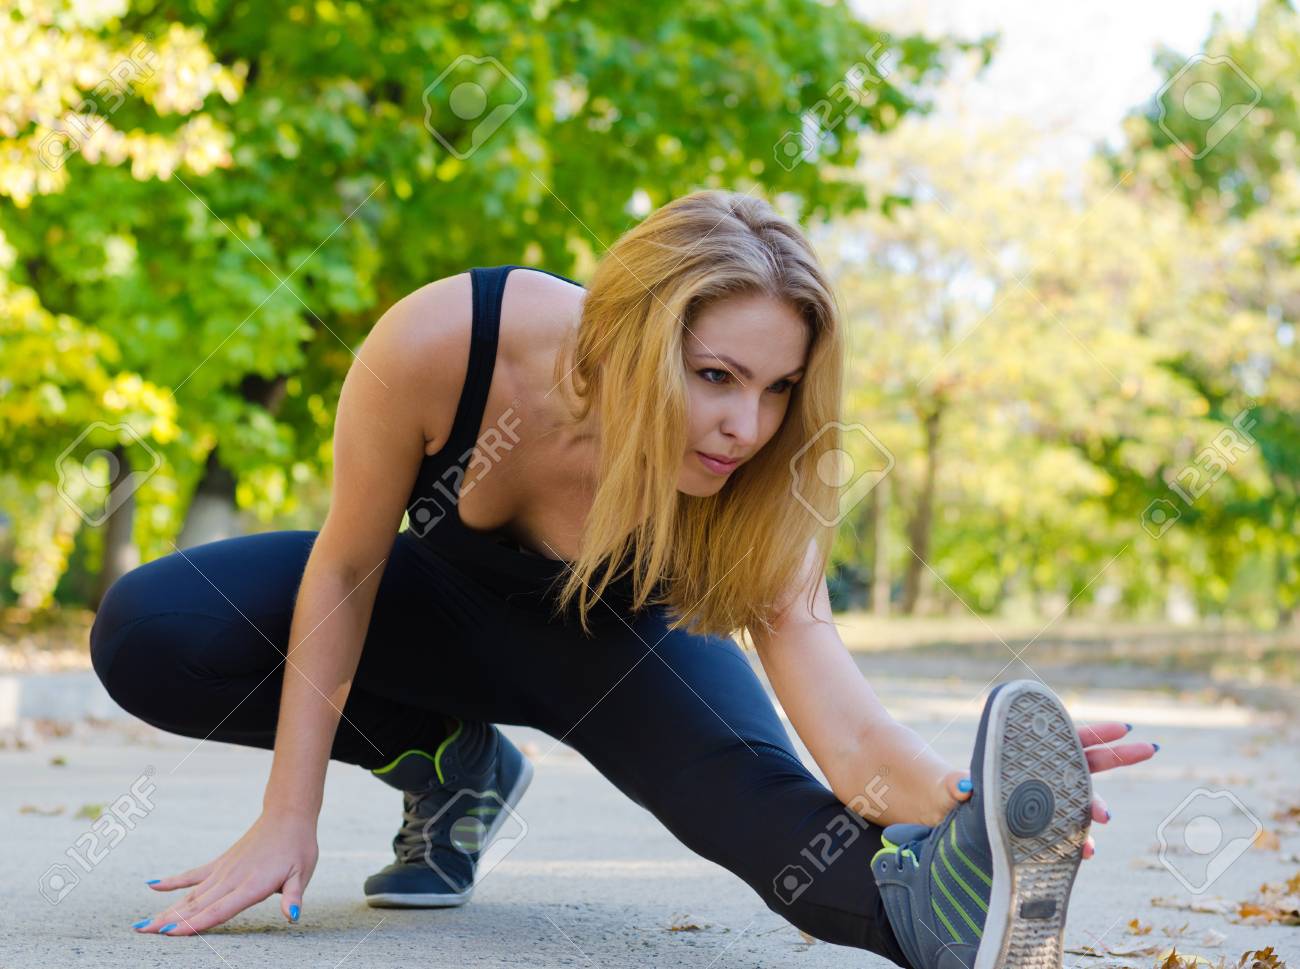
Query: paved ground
x=595 y=880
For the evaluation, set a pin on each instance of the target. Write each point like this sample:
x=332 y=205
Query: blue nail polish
x=964 y=785
x=1107 y=814
x=153 y=881
x=1130 y=727
x=141 y=924
x=1156 y=746
x=293 y=912
x=167 y=928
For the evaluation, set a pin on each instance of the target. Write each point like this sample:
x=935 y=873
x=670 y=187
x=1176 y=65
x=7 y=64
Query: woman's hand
x=1101 y=753
x=277 y=854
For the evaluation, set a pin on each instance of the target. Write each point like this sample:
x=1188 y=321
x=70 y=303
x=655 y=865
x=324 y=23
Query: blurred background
x=1066 y=243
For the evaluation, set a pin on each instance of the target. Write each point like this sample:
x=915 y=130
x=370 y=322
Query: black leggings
x=194 y=643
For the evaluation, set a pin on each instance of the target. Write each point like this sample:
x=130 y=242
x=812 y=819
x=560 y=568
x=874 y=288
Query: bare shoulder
x=433 y=325
x=536 y=310
x=538 y=313
x=426 y=335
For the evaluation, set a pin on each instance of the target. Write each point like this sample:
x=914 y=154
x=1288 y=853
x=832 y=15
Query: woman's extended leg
x=682 y=725
x=194 y=643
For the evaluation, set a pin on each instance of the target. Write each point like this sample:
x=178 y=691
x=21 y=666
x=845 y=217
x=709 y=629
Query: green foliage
x=1238 y=170
x=225 y=221
x=1063 y=336
x=192 y=271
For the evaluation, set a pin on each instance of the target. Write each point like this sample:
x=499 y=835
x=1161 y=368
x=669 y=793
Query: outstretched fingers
x=212 y=913
x=184 y=879
x=1102 y=733
x=1103 y=753
x=1118 y=755
x=211 y=909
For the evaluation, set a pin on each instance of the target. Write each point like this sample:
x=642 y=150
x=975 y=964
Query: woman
x=601 y=486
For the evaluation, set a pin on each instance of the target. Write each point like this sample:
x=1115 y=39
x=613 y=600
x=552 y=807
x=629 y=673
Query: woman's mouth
x=716 y=465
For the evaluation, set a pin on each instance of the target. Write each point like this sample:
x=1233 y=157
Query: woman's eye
x=780 y=387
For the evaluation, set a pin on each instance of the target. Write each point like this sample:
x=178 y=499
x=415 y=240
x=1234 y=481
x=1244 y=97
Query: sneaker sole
x=455 y=899
x=1038 y=807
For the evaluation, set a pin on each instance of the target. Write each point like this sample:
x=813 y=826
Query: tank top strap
x=432 y=507
x=488 y=285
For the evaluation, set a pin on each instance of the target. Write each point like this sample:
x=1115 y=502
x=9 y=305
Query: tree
x=1019 y=346
x=69 y=407
x=1221 y=137
x=357 y=151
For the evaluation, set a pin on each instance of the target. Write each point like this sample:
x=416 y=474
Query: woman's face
x=742 y=356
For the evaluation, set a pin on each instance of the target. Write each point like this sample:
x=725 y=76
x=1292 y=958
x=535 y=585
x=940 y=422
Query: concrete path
x=594 y=880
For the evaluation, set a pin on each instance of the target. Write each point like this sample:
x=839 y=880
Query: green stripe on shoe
x=934 y=874
x=935 y=905
x=952 y=830
x=436 y=756
x=396 y=760
x=890 y=849
x=943 y=856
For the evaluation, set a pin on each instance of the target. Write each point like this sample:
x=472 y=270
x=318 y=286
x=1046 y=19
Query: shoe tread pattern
x=1040 y=743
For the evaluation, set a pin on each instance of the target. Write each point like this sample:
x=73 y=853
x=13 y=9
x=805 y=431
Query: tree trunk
x=1282 y=584
x=921 y=525
x=212 y=514
x=120 y=553
x=880 y=581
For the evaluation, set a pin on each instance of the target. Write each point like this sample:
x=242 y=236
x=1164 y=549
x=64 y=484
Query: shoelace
x=410 y=843
x=913 y=850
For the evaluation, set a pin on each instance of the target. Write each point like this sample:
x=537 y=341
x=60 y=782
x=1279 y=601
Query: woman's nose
x=742 y=428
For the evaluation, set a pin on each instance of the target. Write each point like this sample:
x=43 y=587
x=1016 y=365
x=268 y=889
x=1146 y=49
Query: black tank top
x=524 y=577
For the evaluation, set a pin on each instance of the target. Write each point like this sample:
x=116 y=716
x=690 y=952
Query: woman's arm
x=329 y=625
x=379 y=440
x=406 y=369
x=874 y=764
x=877 y=766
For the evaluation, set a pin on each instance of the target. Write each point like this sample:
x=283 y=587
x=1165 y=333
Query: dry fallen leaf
x=1212 y=905
x=1266 y=840
x=1136 y=927
x=1145 y=861
x=1119 y=951
x=1291 y=813
x=1172 y=960
x=1137 y=949
x=683 y=924
x=1276 y=903
x=1213 y=937
x=1260 y=959
x=806 y=937
x=45 y=812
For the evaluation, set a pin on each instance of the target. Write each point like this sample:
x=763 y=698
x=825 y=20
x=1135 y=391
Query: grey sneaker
x=988 y=887
x=455 y=800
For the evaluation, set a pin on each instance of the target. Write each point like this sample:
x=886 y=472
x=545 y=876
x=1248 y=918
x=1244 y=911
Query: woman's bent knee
x=137 y=643
x=125 y=604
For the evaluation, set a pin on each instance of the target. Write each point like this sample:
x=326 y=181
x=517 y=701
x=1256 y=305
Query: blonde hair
x=721 y=563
